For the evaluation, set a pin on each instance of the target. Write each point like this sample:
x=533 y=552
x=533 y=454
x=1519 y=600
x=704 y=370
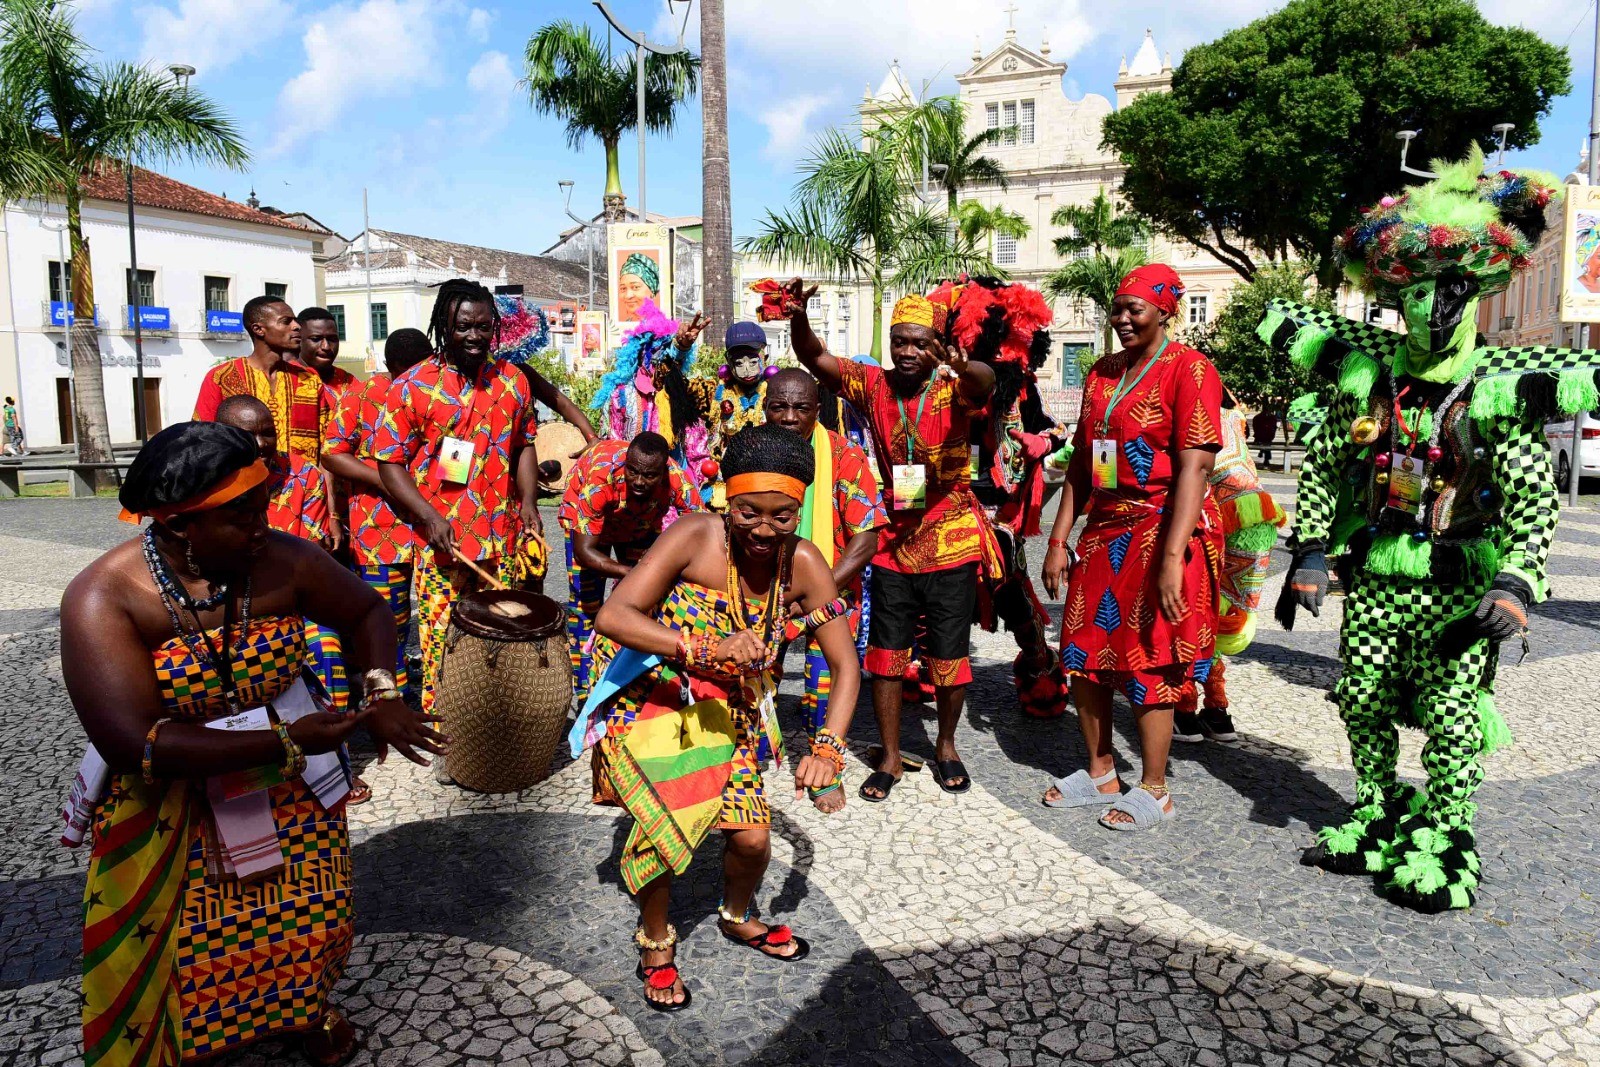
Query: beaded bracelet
x=827 y=737
x=294 y=760
x=824 y=791
x=150 y=751
x=827 y=613
x=823 y=752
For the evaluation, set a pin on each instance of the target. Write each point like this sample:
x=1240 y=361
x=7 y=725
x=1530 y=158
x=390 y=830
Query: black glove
x=1306 y=586
x=1503 y=611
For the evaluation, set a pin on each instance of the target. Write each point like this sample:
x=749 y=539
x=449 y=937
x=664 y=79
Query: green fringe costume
x=1470 y=419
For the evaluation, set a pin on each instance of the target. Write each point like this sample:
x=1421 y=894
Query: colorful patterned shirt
x=857 y=503
x=293 y=394
x=340 y=382
x=494 y=414
x=298 y=500
x=947 y=532
x=377 y=534
x=596 y=499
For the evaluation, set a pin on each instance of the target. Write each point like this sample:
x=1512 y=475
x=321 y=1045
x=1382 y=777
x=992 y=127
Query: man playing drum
x=460 y=402
x=619 y=497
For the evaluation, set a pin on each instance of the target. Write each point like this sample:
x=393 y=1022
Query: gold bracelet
x=294 y=759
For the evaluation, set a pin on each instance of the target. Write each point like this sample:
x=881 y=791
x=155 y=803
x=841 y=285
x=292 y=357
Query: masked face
x=745 y=364
x=1441 y=315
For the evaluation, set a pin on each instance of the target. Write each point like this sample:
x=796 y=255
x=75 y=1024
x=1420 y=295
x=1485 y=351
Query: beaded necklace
x=741 y=607
x=174 y=596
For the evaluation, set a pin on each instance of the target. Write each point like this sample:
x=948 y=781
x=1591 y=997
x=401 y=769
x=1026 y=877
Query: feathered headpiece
x=1485 y=225
x=653 y=340
x=524 y=330
x=776 y=303
x=999 y=322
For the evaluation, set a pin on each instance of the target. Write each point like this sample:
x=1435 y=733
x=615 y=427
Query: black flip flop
x=946 y=769
x=882 y=780
x=646 y=973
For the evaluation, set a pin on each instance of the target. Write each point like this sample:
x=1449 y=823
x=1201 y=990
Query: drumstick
x=494 y=583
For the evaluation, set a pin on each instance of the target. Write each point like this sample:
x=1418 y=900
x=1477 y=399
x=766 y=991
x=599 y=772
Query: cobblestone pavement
x=979 y=928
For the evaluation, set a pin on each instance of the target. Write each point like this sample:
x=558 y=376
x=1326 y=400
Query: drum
x=504 y=689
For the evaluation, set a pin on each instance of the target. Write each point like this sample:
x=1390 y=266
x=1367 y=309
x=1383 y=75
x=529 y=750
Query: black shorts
x=942 y=602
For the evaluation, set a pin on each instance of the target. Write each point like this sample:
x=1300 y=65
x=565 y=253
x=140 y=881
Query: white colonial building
x=200 y=256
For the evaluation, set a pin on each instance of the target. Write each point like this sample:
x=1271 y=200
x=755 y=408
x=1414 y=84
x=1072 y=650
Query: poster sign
x=592 y=342
x=638 y=268
x=1580 y=255
x=563 y=316
x=224 y=321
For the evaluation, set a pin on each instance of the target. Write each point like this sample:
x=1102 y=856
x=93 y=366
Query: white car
x=1560 y=435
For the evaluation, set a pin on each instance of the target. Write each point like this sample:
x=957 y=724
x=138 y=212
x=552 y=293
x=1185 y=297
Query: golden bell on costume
x=1365 y=430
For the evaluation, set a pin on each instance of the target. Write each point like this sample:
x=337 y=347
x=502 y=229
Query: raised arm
x=808 y=347
x=560 y=403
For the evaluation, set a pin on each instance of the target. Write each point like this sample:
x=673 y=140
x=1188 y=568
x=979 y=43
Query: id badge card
x=908 y=486
x=237 y=784
x=1406 y=475
x=1103 y=462
x=455 y=460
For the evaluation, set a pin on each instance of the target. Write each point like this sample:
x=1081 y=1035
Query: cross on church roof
x=1011 y=16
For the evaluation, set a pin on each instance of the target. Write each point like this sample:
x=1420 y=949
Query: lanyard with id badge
x=458 y=454
x=908 y=482
x=1104 y=449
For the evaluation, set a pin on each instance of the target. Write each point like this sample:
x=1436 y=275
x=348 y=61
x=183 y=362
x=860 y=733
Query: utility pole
x=641 y=45
x=1576 y=446
x=366 y=256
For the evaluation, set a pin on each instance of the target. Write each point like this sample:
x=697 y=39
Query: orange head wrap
x=231 y=487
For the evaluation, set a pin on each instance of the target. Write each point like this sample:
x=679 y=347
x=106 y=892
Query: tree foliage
x=1252 y=370
x=1276 y=134
x=572 y=75
x=937 y=129
x=1101 y=246
x=64 y=117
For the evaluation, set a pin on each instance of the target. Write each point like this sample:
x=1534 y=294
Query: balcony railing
x=153 y=321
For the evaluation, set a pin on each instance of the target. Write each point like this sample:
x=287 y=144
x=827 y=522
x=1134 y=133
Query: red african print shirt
x=596 y=498
x=857 y=504
x=947 y=532
x=298 y=500
x=377 y=534
x=1112 y=619
x=432 y=401
x=293 y=394
x=340 y=382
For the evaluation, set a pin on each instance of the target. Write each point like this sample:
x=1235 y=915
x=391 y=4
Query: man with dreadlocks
x=1431 y=478
x=455 y=450
x=937 y=546
x=1008 y=327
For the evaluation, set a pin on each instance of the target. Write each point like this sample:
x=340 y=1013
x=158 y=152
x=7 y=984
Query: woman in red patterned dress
x=1141 y=596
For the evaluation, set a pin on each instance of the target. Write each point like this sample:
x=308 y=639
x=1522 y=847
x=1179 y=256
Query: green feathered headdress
x=1485 y=225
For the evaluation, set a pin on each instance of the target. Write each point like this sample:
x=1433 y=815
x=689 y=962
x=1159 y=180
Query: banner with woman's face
x=638 y=268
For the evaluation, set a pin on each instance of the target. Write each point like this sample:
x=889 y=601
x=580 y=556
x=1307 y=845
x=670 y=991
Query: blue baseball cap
x=745 y=335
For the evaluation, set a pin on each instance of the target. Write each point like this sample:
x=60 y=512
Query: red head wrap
x=1154 y=283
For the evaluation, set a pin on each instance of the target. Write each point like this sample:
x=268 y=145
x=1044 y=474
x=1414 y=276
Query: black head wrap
x=769 y=449
x=182 y=462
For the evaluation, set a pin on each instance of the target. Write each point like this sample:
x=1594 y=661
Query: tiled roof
x=540 y=276
x=157 y=190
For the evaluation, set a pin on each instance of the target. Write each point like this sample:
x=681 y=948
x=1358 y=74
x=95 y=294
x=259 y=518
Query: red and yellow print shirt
x=494 y=413
x=857 y=503
x=596 y=498
x=340 y=382
x=377 y=534
x=297 y=503
x=947 y=532
x=292 y=393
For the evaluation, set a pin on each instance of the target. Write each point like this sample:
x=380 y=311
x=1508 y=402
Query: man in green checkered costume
x=1430 y=483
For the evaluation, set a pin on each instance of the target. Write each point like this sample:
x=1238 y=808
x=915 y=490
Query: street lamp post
x=588 y=236
x=641 y=45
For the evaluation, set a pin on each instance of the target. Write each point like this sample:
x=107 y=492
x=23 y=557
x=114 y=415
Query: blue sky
x=417 y=100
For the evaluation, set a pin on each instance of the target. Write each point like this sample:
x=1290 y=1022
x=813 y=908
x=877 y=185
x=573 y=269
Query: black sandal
x=772 y=935
x=879 y=780
x=952 y=768
x=666 y=975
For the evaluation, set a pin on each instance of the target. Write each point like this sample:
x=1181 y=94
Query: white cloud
x=788 y=125
x=478 y=23
x=356 y=53
x=209 y=34
x=495 y=84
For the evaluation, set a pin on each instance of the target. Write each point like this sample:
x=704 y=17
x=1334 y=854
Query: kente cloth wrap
x=950 y=530
x=378 y=536
x=179 y=966
x=1154 y=283
x=596 y=502
x=293 y=393
x=1243 y=507
x=1112 y=620
x=494 y=413
x=297 y=501
x=681 y=747
x=392 y=581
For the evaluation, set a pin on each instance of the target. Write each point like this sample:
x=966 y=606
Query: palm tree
x=572 y=75
x=853 y=214
x=937 y=128
x=716 y=209
x=63 y=118
x=976 y=224
x=1101 y=246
